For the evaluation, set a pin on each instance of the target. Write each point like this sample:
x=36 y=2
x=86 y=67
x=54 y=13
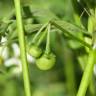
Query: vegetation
x=47 y=48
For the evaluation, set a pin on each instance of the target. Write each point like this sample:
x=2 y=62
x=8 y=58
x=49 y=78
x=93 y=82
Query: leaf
x=30 y=28
x=74 y=29
x=71 y=30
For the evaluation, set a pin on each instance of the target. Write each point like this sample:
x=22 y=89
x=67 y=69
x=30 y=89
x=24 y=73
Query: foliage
x=60 y=61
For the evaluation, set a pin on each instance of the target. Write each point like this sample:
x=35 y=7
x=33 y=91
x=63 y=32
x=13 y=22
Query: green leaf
x=72 y=31
x=29 y=29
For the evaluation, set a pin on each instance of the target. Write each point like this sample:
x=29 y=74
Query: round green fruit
x=46 y=62
x=35 y=51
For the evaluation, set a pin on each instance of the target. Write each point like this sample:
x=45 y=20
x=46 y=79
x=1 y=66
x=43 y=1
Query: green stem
x=38 y=33
x=91 y=30
x=41 y=38
x=22 y=48
x=48 y=40
x=87 y=74
x=92 y=87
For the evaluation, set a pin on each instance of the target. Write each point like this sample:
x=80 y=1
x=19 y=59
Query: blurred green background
x=64 y=78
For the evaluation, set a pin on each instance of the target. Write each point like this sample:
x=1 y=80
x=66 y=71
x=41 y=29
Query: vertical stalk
x=22 y=48
x=87 y=74
x=91 y=85
x=91 y=30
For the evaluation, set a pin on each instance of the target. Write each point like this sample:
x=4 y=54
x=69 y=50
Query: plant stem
x=41 y=38
x=48 y=41
x=91 y=30
x=87 y=74
x=38 y=33
x=22 y=48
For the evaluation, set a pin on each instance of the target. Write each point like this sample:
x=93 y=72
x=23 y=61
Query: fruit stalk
x=48 y=40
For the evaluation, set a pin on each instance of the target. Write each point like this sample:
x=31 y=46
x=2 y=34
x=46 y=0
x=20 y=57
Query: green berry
x=46 y=62
x=35 y=51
